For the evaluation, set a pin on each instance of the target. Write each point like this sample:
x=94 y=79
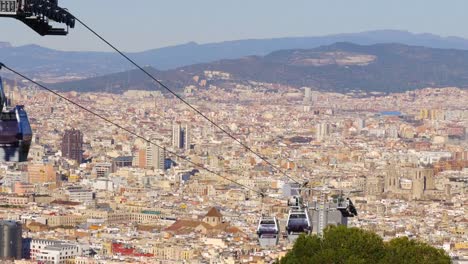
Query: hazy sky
x=135 y=25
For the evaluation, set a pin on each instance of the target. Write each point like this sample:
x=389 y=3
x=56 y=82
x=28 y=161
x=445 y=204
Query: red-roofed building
x=126 y=250
x=213 y=217
x=212 y=225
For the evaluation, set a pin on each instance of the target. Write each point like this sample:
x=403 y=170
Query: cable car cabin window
x=298 y=220
x=298 y=216
x=268 y=222
x=295 y=192
x=8 y=131
x=7 y=116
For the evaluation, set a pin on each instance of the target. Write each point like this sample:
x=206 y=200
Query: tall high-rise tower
x=72 y=145
x=155 y=157
x=180 y=136
x=10 y=240
x=322 y=131
x=308 y=97
x=307 y=93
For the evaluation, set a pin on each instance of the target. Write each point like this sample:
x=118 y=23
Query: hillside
x=129 y=80
x=37 y=61
x=341 y=67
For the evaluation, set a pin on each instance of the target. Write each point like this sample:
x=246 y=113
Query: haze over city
x=162 y=24
x=233 y=132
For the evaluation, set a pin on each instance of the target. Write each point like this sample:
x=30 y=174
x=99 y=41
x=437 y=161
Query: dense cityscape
x=257 y=141
x=94 y=193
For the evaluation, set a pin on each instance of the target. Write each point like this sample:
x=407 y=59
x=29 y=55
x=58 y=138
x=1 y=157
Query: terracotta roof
x=213 y=213
x=65 y=202
x=233 y=230
x=36 y=224
x=187 y=226
x=181 y=224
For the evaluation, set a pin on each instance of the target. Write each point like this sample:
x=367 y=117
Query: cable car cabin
x=346 y=207
x=268 y=231
x=298 y=223
x=15 y=131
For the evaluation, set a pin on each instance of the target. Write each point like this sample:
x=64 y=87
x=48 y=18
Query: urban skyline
x=305 y=155
x=367 y=164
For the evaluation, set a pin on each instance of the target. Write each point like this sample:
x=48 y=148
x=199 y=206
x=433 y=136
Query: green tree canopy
x=342 y=245
x=413 y=251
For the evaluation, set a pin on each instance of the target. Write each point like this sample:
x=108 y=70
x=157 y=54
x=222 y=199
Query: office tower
x=180 y=136
x=307 y=92
x=176 y=129
x=72 y=145
x=155 y=157
x=187 y=141
x=322 y=131
x=307 y=95
x=10 y=240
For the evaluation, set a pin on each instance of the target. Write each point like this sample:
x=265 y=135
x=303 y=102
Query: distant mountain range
x=340 y=67
x=36 y=61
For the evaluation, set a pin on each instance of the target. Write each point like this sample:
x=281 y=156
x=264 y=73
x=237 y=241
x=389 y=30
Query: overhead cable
x=128 y=130
x=276 y=168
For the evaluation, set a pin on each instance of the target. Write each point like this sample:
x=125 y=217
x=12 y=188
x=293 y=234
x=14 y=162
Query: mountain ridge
x=340 y=67
x=36 y=60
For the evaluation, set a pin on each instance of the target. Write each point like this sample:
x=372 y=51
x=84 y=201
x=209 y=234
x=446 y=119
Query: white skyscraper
x=307 y=95
x=308 y=92
x=322 y=131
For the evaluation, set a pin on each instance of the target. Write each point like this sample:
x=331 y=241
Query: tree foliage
x=342 y=245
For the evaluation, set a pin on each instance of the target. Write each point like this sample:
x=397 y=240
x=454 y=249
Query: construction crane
x=38 y=14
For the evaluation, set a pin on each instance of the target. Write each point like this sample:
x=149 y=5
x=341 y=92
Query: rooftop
x=214 y=212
